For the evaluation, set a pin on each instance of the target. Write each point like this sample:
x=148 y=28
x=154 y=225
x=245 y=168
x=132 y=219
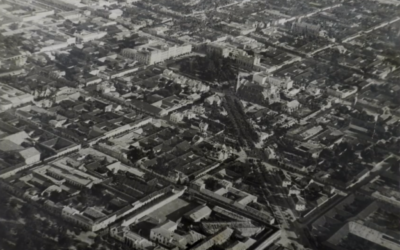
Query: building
x=264 y=79
x=259 y=94
x=123 y=234
x=263 y=89
x=14 y=59
x=198 y=213
x=217 y=239
x=60 y=171
x=294 y=190
x=165 y=235
x=306 y=28
x=292 y=106
x=83 y=220
x=30 y=155
x=214 y=99
x=244 y=59
x=341 y=91
x=16 y=146
x=144 y=208
x=299 y=202
x=176 y=117
x=365 y=232
x=11 y=97
x=153 y=53
x=220 y=49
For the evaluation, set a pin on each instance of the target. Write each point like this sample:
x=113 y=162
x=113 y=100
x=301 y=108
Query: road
x=312 y=53
x=275 y=210
x=277 y=182
x=361 y=33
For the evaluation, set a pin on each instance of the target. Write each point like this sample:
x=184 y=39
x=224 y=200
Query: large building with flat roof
x=11 y=97
x=153 y=53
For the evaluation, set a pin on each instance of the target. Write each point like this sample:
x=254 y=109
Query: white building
x=299 y=202
x=292 y=106
x=214 y=99
x=294 y=190
x=342 y=91
x=220 y=48
x=176 y=117
x=165 y=235
x=243 y=58
x=198 y=213
x=30 y=155
x=203 y=127
x=264 y=78
x=156 y=52
x=11 y=97
x=198 y=109
x=123 y=234
x=86 y=37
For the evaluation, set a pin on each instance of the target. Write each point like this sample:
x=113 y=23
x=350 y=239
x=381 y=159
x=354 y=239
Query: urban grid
x=199 y=124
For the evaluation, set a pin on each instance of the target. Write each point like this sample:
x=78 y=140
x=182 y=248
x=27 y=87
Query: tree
x=83 y=197
x=51 y=231
x=3 y=230
x=175 y=89
x=211 y=184
x=64 y=241
x=77 y=230
x=151 y=155
x=11 y=214
x=183 y=67
x=368 y=155
x=61 y=230
x=97 y=242
x=13 y=203
x=135 y=154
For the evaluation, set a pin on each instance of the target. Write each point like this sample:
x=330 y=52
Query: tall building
x=263 y=89
x=153 y=53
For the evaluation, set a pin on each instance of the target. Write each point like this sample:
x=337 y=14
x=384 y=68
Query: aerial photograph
x=199 y=124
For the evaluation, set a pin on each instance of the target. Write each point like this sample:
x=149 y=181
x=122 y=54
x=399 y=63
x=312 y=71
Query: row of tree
x=211 y=68
x=246 y=133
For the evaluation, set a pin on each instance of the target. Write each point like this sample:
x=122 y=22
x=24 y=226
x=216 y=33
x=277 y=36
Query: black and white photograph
x=199 y=124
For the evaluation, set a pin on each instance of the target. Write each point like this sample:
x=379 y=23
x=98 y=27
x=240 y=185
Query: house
x=292 y=106
x=203 y=126
x=300 y=202
x=294 y=190
x=214 y=99
x=198 y=109
x=286 y=179
x=176 y=117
